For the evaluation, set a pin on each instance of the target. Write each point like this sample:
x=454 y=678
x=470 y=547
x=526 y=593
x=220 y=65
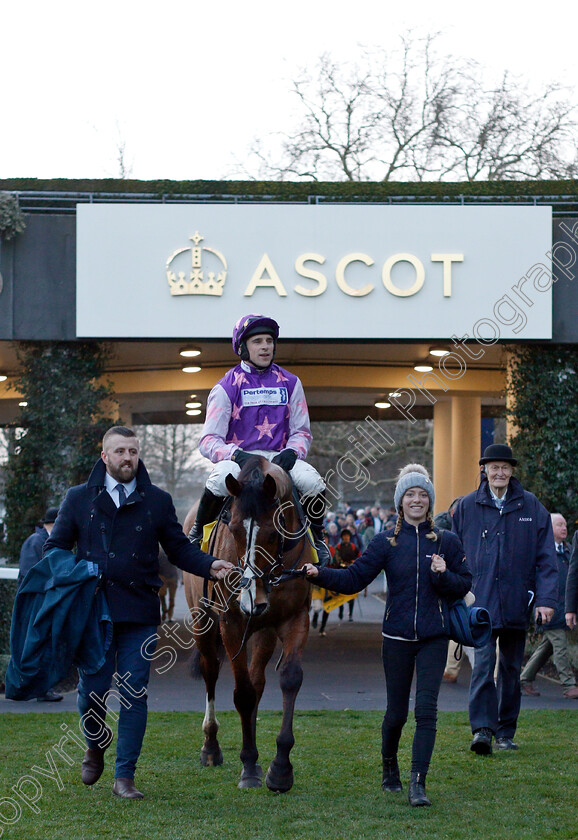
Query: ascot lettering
x=267 y=276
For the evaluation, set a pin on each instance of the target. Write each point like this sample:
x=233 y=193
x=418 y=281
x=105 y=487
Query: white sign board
x=323 y=271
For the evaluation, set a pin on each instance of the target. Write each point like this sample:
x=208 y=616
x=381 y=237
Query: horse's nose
x=259 y=609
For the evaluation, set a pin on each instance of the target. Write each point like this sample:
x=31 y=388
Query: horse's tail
x=195 y=660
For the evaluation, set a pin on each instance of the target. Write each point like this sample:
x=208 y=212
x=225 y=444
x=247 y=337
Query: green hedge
x=301 y=190
x=7 y=595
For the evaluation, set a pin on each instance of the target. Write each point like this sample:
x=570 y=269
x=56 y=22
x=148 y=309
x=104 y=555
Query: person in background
x=30 y=554
x=426 y=570
x=572 y=586
x=346 y=552
x=453 y=664
x=554 y=642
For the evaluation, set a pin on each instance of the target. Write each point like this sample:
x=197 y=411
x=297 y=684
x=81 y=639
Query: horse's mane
x=253 y=500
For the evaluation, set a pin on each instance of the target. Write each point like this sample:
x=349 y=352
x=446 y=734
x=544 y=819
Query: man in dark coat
x=31 y=551
x=554 y=641
x=507 y=535
x=572 y=586
x=30 y=554
x=117 y=520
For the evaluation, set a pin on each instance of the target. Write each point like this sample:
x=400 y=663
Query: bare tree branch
x=411 y=114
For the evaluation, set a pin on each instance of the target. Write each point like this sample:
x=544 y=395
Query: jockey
x=258 y=408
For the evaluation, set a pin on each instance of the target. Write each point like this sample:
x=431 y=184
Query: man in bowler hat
x=508 y=539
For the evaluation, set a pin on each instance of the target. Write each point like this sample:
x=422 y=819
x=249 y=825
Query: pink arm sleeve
x=212 y=444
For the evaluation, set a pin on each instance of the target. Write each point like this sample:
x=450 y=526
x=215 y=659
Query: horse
x=264 y=598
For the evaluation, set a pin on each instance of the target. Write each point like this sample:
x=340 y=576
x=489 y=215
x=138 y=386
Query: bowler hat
x=50 y=515
x=498 y=452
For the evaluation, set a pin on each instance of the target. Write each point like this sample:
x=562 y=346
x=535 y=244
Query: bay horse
x=264 y=598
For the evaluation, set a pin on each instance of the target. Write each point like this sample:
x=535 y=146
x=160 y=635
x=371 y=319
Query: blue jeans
x=496 y=706
x=124 y=660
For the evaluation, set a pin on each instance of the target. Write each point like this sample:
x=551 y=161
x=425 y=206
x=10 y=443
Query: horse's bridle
x=285 y=544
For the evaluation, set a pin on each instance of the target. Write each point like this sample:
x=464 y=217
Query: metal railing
x=34 y=201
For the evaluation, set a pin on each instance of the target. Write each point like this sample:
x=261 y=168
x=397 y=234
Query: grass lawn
x=532 y=793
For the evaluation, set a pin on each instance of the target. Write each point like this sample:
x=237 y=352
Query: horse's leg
x=245 y=698
x=205 y=629
x=263 y=647
x=211 y=754
x=293 y=635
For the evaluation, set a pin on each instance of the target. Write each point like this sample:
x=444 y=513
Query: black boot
x=209 y=509
x=391 y=781
x=315 y=507
x=416 y=794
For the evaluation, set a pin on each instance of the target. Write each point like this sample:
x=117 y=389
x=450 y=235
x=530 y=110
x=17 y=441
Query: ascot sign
x=338 y=272
x=266 y=275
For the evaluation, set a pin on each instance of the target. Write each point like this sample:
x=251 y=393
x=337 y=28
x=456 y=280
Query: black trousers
x=400 y=658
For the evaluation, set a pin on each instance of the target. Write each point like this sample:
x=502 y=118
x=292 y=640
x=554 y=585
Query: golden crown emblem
x=195 y=283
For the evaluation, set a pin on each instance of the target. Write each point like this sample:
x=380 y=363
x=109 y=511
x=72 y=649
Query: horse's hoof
x=251 y=778
x=211 y=759
x=247 y=781
x=279 y=783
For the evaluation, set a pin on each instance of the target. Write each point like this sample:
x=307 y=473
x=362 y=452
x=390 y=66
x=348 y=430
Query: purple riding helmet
x=250 y=325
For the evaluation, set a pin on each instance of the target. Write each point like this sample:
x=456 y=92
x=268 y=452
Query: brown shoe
x=449 y=678
x=528 y=688
x=93 y=763
x=572 y=693
x=126 y=790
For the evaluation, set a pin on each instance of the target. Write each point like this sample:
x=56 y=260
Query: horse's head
x=255 y=527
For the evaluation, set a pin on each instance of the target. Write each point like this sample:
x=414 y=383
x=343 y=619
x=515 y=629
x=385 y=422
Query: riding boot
x=391 y=781
x=315 y=507
x=209 y=509
x=416 y=794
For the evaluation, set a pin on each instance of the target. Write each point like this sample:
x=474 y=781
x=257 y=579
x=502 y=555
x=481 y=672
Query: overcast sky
x=187 y=85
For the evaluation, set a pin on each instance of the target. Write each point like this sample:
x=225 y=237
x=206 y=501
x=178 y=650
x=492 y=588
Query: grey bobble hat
x=413 y=475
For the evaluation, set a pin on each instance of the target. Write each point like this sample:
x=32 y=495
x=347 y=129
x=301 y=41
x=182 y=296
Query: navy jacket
x=558 y=620
x=31 y=552
x=572 y=581
x=124 y=542
x=59 y=619
x=417 y=598
x=510 y=554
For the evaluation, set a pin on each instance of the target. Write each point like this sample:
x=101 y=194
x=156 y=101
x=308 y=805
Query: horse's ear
x=269 y=486
x=233 y=485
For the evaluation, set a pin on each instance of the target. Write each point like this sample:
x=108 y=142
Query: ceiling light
x=439 y=351
x=193 y=396
x=23 y=404
x=193 y=412
x=382 y=404
x=422 y=368
x=190 y=351
x=193 y=405
x=191 y=369
x=394 y=394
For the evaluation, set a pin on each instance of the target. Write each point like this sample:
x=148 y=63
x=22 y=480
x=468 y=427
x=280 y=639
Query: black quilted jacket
x=417 y=598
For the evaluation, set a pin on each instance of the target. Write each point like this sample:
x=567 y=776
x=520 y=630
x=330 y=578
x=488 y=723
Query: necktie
x=560 y=548
x=121 y=494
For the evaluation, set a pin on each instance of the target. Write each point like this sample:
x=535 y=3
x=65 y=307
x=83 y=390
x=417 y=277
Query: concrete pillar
x=442 y=454
x=466 y=442
x=511 y=428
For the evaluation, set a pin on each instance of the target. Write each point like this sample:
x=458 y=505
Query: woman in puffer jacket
x=426 y=570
